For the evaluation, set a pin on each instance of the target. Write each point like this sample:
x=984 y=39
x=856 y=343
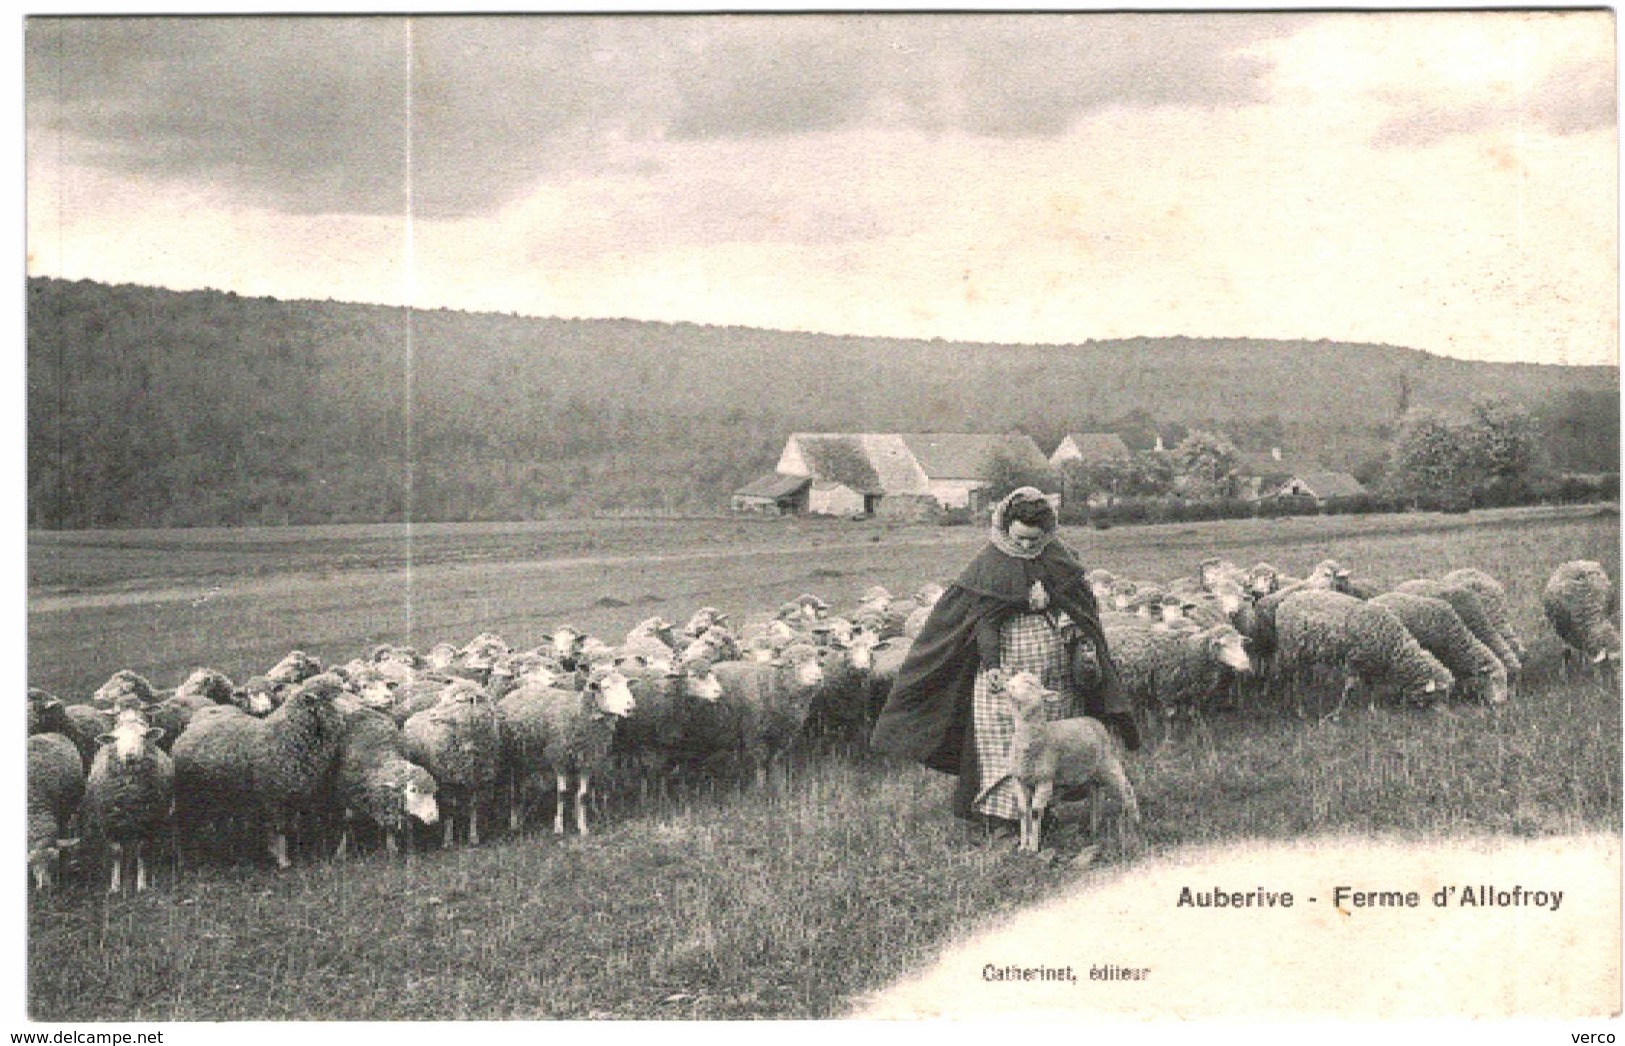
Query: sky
x=1444 y=181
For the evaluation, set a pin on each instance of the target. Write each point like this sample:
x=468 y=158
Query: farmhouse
x=1090 y=448
x=1261 y=476
x=773 y=495
x=896 y=475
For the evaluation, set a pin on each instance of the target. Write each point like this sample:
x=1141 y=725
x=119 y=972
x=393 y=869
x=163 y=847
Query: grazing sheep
x=270 y=769
x=1264 y=579
x=378 y=782
x=1580 y=602
x=714 y=643
x=440 y=657
x=1046 y=754
x=259 y=695
x=1173 y=672
x=56 y=784
x=764 y=706
x=1497 y=607
x=459 y=741
x=128 y=795
x=566 y=732
x=1364 y=642
x=124 y=684
x=1210 y=571
x=702 y=619
x=1471 y=608
x=1442 y=633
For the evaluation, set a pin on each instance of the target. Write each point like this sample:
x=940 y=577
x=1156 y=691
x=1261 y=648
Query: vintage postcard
x=1044 y=517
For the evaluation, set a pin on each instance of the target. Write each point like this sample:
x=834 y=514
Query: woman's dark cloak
x=927 y=717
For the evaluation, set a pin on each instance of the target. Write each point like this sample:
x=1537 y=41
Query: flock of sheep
x=464 y=735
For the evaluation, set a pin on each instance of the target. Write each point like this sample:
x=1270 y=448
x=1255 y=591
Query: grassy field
x=722 y=904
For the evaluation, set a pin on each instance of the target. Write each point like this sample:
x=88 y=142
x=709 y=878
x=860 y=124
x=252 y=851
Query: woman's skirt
x=1027 y=643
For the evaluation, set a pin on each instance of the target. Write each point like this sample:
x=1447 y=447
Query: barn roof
x=1095 y=446
x=900 y=463
x=772 y=485
x=964 y=455
x=1332 y=484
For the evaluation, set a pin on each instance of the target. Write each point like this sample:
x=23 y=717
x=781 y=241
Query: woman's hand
x=996 y=678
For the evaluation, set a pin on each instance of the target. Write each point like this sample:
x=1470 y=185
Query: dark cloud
x=1570 y=100
x=310 y=114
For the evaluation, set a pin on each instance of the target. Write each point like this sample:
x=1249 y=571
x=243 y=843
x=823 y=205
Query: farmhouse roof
x=1271 y=468
x=772 y=485
x=902 y=463
x=1331 y=484
x=1093 y=446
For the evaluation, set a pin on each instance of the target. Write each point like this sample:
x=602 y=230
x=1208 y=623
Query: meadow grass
x=847 y=872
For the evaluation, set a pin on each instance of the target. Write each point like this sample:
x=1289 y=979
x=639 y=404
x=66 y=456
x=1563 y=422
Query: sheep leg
x=473 y=819
x=1035 y=812
x=582 y=787
x=343 y=848
x=1349 y=684
x=447 y=838
x=516 y=819
x=561 y=791
x=390 y=846
x=279 y=849
x=116 y=853
x=1024 y=812
x=140 y=867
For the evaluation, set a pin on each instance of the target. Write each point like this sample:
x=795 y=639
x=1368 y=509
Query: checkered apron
x=1027 y=643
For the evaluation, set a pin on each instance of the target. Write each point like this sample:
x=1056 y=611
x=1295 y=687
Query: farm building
x=896 y=475
x=773 y=495
x=1318 y=485
x=1089 y=448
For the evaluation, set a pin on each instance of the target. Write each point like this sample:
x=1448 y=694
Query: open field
x=838 y=880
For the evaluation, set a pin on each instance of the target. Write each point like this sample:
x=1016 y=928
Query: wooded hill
x=149 y=407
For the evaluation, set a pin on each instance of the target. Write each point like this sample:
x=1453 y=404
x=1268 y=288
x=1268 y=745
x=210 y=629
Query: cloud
x=1566 y=101
x=308 y=115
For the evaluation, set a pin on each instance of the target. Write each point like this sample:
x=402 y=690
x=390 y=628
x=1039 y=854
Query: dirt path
x=1136 y=952
x=291 y=583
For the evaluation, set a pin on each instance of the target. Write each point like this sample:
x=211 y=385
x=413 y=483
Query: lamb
x=128 y=795
x=1581 y=604
x=1046 y=753
x=56 y=784
x=1473 y=615
x=1175 y=671
x=567 y=732
x=764 y=706
x=459 y=741
x=1364 y=641
x=1497 y=607
x=271 y=768
x=378 y=782
x=1442 y=633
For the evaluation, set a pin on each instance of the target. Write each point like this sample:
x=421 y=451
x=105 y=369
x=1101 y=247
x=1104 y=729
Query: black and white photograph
x=885 y=517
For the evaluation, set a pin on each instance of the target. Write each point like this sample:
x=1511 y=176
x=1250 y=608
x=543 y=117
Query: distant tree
x=1208 y=463
x=1007 y=468
x=1435 y=455
x=1507 y=440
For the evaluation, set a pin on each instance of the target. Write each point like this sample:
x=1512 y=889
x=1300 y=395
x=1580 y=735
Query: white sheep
x=1175 y=671
x=228 y=761
x=1442 y=633
x=296 y=667
x=655 y=737
x=459 y=741
x=1049 y=753
x=1580 y=603
x=1497 y=606
x=763 y=706
x=124 y=684
x=567 y=733
x=1474 y=615
x=377 y=781
x=128 y=795
x=1362 y=641
x=56 y=784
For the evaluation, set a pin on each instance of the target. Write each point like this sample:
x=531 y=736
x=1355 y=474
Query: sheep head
x=1230 y=595
x=801 y=659
x=206 y=683
x=441 y=656
x=296 y=667
x=417 y=791
x=610 y=692
x=1263 y=579
x=861 y=648
x=124 y=683
x=260 y=696
x=1027 y=693
x=1228 y=647
x=928 y=594
x=129 y=736
x=697 y=680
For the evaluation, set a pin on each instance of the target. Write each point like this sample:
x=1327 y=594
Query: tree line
x=149 y=407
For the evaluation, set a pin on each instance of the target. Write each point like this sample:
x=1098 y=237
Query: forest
x=151 y=408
